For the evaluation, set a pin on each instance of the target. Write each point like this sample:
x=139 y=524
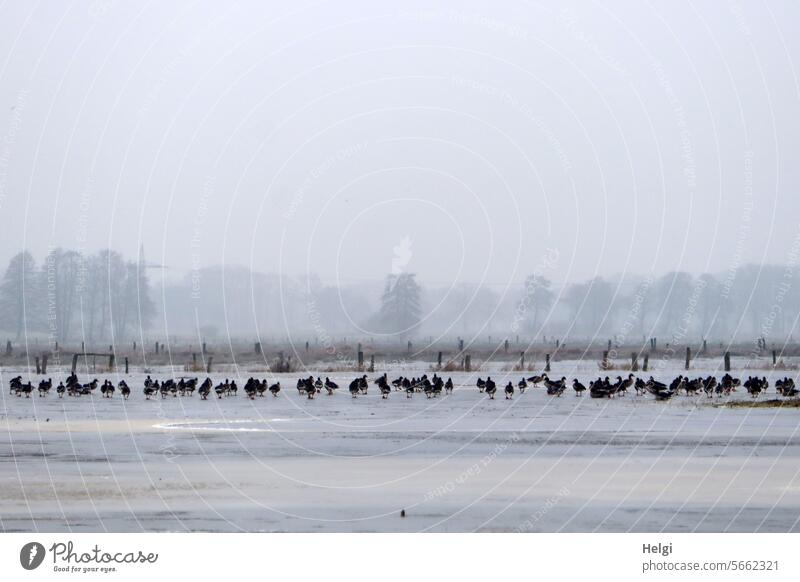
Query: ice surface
x=459 y=462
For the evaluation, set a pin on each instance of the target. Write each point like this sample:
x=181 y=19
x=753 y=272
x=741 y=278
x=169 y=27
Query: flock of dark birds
x=431 y=387
x=605 y=388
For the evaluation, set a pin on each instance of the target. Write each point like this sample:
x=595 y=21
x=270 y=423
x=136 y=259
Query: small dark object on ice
x=402 y=513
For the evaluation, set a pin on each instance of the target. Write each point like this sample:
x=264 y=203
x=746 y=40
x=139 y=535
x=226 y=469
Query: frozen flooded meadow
x=459 y=462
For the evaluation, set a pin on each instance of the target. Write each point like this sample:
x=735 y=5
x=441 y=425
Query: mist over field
x=272 y=169
x=338 y=143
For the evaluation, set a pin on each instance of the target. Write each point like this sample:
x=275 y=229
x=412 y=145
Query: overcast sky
x=462 y=141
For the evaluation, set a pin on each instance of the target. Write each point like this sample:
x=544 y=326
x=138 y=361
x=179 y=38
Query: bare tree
x=59 y=287
x=19 y=297
x=537 y=300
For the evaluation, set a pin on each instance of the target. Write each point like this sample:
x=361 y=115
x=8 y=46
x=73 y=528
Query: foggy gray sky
x=318 y=136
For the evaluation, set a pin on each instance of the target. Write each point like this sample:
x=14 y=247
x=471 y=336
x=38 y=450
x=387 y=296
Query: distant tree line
x=97 y=297
x=754 y=301
x=100 y=297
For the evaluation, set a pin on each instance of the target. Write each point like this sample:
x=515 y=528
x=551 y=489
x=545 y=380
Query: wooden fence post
x=688 y=356
x=547 y=362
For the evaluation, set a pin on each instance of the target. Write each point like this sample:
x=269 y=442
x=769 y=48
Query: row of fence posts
x=466 y=360
x=606 y=364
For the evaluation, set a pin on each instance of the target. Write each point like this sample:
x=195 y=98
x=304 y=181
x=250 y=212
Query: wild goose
x=427 y=388
x=786 y=387
x=355 y=387
x=535 y=380
x=709 y=385
x=385 y=391
x=693 y=386
x=150 y=388
x=251 y=388
x=490 y=387
x=578 y=387
x=261 y=387
x=438 y=385
x=205 y=389
x=555 y=387
x=600 y=389
x=755 y=386
x=408 y=385
x=44 y=387
x=330 y=385
x=26 y=389
x=222 y=389
x=107 y=389
x=311 y=390
x=626 y=383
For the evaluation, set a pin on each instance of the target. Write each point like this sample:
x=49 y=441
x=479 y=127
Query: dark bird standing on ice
x=578 y=387
x=490 y=387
